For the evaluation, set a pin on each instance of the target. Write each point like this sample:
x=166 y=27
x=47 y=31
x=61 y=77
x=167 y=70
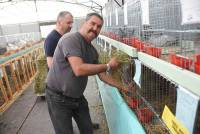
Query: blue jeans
x=62 y=109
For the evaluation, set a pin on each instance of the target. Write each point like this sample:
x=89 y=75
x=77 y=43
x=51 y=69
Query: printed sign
x=186 y=103
x=174 y=125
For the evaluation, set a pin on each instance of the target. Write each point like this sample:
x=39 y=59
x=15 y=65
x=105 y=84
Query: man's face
x=93 y=27
x=66 y=23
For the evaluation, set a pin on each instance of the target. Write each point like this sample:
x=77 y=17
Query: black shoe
x=95 y=125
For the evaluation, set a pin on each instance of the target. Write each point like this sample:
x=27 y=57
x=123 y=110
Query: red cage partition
x=197 y=64
x=198 y=58
x=197 y=68
x=144 y=115
x=127 y=40
x=134 y=103
x=154 y=51
x=135 y=42
x=181 y=61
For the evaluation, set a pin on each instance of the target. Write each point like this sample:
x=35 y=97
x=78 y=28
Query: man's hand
x=113 y=63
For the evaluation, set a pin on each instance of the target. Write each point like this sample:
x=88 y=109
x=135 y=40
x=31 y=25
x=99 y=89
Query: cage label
x=174 y=125
x=186 y=103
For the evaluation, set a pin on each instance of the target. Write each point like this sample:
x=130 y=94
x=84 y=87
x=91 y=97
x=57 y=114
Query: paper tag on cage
x=1 y=72
x=137 y=72
x=186 y=103
x=174 y=125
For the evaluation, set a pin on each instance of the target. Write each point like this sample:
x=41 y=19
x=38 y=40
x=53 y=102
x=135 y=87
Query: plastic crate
x=136 y=43
x=181 y=61
x=198 y=58
x=154 y=51
x=126 y=40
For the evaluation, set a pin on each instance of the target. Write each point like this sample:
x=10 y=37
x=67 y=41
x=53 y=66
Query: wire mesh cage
x=148 y=101
x=166 y=36
x=156 y=92
x=178 y=41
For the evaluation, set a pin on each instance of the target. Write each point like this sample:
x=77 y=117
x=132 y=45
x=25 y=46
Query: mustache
x=93 y=32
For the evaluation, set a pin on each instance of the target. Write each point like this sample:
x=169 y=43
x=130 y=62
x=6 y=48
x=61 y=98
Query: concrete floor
x=29 y=114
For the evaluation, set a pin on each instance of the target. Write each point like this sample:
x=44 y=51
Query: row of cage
x=184 y=54
x=163 y=35
x=149 y=98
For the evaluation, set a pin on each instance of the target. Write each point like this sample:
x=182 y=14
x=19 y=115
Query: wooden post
x=25 y=68
x=30 y=65
x=21 y=63
x=7 y=82
x=5 y=96
x=12 y=69
x=32 y=62
x=18 y=75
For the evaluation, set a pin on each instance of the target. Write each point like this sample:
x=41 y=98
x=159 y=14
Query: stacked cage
x=165 y=37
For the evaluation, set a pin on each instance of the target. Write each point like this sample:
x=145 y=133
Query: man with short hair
x=74 y=60
x=63 y=25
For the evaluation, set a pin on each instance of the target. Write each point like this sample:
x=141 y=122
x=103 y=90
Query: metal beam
x=4 y=1
x=45 y=23
x=117 y=3
x=92 y=7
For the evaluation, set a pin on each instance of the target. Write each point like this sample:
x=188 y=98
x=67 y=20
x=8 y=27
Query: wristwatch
x=108 y=68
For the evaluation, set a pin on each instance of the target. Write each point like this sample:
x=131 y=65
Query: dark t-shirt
x=51 y=42
x=61 y=76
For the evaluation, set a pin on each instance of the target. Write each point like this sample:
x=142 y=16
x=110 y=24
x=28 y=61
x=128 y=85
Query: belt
x=52 y=91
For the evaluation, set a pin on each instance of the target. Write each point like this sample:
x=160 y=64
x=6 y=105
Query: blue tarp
x=120 y=118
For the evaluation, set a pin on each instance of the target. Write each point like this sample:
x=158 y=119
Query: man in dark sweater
x=63 y=25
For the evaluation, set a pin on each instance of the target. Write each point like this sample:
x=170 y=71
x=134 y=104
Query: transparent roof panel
x=22 y=11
